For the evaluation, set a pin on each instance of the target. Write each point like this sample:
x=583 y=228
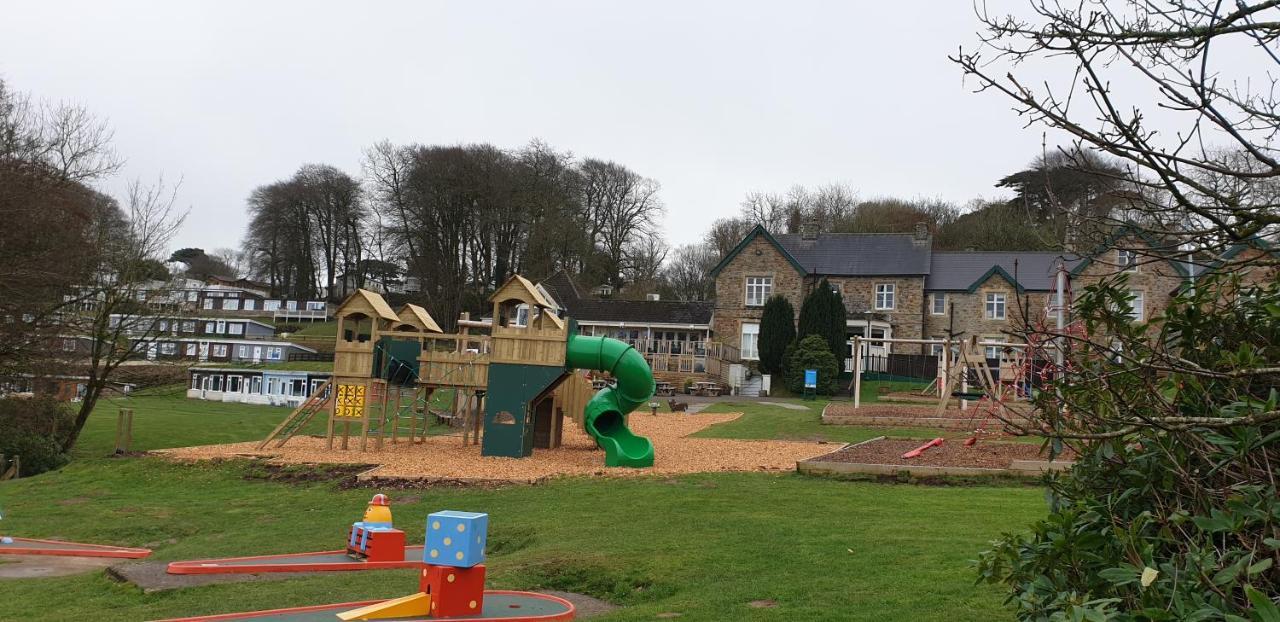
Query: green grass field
x=701 y=545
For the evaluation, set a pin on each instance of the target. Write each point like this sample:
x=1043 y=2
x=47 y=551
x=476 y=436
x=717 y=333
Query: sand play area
x=446 y=457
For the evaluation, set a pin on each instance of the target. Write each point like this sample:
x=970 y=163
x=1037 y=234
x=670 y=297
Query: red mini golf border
x=250 y=615
x=226 y=565
x=91 y=550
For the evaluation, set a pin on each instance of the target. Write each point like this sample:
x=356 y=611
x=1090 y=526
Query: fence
x=323 y=357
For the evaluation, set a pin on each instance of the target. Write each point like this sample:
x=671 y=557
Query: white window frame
x=315 y=305
x=235 y=328
x=994 y=301
x=749 y=344
x=208 y=303
x=191 y=349
x=270 y=305
x=275 y=353
x=992 y=352
x=218 y=350
x=242 y=351
x=249 y=304
x=69 y=345
x=1138 y=305
x=886 y=296
x=1126 y=259
x=169 y=348
x=231 y=304
x=210 y=327
x=762 y=286
x=934 y=299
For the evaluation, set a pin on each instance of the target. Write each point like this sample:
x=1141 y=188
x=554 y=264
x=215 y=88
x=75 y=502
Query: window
x=220 y=350
x=191 y=349
x=270 y=305
x=1126 y=260
x=195 y=381
x=169 y=348
x=164 y=325
x=759 y=288
x=1137 y=305
x=275 y=353
x=995 y=306
x=222 y=327
x=141 y=295
x=884 y=296
x=242 y=351
x=291 y=305
x=273 y=386
x=750 y=341
x=189 y=326
x=938 y=304
x=315 y=305
x=935 y=349
x=210 y=328
x=193 y=296
x=249 y=303
x=68 y=345
x=993 y=351
x=235 y=329
x=233 y=384
x=217 y=383
x=231 y=304
x=208 y=304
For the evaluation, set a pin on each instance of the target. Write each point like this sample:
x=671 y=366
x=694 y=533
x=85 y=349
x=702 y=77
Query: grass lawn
x=316 y=329
x=700 y=545
x=164 y=417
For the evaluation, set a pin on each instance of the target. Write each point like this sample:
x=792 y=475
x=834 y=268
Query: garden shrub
x=35 y=429
x=812 y=353
x=1172 y=510
x=777 y=331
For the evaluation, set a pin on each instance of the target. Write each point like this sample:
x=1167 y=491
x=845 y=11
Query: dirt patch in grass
x=986 y=455
x=303 y=473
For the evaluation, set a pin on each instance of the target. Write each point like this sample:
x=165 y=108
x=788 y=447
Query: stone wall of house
x=1155 y=277
x=970 y=311
x=906 y=317
x=759 y=258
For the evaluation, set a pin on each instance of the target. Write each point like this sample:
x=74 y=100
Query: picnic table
x=710 y=389
x=666 y=388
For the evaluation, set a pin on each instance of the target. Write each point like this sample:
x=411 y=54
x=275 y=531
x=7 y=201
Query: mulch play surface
x=952 y=453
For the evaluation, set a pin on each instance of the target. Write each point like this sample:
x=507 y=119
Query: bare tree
x=619 y=206
x=688 y=274
x=726 y=233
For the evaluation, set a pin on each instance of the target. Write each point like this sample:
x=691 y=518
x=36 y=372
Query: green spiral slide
x=605 y=416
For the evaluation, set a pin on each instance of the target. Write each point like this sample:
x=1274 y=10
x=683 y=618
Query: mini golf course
x=498 y=605
x=319 y=561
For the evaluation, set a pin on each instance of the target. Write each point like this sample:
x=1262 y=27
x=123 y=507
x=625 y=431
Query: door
x=151 y=351
x=204 y=350
x=257 y=354
x=255 y=385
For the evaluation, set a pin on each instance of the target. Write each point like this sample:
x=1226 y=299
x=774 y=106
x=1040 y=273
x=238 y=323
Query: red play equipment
x=921 y=449
x=31 y=546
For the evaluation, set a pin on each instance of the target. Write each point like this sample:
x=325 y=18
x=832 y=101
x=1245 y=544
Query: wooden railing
x=452 y=360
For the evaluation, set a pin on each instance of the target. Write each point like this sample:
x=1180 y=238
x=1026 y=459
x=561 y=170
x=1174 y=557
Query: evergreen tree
x=823 y=314
x=777 y=330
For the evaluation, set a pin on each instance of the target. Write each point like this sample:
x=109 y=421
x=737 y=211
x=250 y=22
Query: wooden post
x=857 y=372
x=124 y=430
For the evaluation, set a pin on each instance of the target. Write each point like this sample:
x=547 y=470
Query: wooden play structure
x=513 y=379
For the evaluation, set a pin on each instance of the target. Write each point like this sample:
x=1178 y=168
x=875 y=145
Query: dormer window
x=1126 y=260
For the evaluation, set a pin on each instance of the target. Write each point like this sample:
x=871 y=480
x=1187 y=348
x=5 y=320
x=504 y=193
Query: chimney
x=809 y=231
x=653 y=297
x=922 y=231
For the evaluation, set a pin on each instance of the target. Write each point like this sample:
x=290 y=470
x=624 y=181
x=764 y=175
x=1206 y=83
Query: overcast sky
x=713 y=100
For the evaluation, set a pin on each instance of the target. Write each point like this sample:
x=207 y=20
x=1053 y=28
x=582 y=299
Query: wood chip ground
x=446 y=457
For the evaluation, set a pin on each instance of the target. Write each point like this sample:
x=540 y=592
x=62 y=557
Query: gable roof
x=519 y=288
x=755 y=232
x=860 y=254
x=1125 y=231
x=844 y=254
x=369 y=301
x=967 y=270
x=1254 y=242
x=419 y=318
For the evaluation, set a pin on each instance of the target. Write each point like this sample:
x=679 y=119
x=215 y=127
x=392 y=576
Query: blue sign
x=810 y=378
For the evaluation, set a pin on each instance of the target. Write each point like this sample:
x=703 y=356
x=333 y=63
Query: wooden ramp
x=299 y=418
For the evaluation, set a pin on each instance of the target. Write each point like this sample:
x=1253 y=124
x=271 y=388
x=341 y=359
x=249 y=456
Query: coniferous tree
x=777 y=331
x=823 y=314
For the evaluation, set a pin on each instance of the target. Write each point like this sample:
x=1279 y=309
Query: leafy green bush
x=812 y=353
x=1172 y=510
x=823 y=313
x=34 y=430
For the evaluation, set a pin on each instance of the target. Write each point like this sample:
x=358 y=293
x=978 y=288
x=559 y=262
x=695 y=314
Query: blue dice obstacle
x=456 y=538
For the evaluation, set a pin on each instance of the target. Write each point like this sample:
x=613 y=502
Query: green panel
x=511 y=387
x=396 y=360
x=605 y=417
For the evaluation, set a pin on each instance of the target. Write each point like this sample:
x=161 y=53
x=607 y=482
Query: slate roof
x=956 y=271
x=583 y=308
x=859 y=254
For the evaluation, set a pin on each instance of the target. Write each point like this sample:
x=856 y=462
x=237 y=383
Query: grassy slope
x=766 y=421
x=702 y=545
